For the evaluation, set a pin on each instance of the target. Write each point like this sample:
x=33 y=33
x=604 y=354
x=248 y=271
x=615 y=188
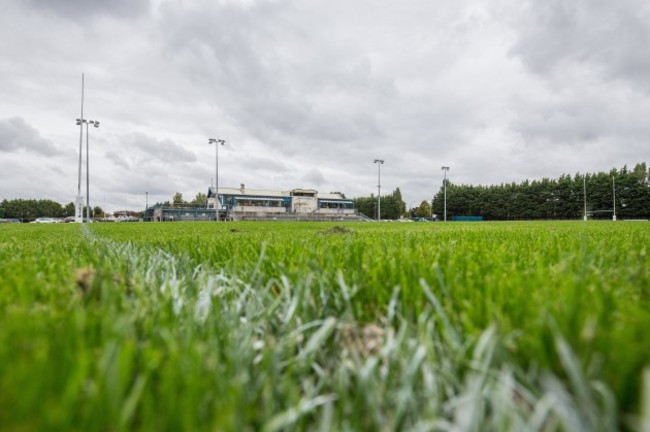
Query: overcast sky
x=307 y=93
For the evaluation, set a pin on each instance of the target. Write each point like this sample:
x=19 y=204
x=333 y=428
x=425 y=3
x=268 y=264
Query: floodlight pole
x=614 y=198
x=80 y=200
x=216 y=143
x=379 y=162
x=87 y=176
x=444 y=184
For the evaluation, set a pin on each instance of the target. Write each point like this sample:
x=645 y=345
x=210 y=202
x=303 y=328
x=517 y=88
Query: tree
x=201 y=199
x=98 y=212
x=366 y=205
x=178 y=200
x=69 y=208
x=423 y=210
x=31 y=209
x=392 y=206
x=397 y=196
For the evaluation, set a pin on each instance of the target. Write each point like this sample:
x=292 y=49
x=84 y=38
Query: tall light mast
x=379 y=163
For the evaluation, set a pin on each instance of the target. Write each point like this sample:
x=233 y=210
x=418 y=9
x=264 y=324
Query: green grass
x=299 y=326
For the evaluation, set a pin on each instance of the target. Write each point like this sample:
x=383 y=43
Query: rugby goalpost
x=592 y=212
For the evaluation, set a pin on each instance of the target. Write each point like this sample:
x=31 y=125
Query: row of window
x=233 y=201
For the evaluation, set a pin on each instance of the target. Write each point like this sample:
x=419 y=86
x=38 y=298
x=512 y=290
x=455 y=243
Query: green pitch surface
x=304 y=326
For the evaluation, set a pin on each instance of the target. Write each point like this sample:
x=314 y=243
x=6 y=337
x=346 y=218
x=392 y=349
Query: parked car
x=10 y=220
x=44 y=220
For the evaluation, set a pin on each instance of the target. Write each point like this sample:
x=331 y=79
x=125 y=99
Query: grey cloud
x=589 y=104
x=16 y=134
x=560 y=123
x=81 y=9
x=282 y=83
x=602 y=35
x=117 y=160
x=162 y=150
x=257 y=163
x=590 y=116
x=140 y=155
x=314 y=178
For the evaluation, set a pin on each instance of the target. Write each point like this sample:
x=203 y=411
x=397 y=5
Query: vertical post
x=614 y=198
x=584 y=194
x=216 y=180
x=94 y=123
x=445 y=188
x=379 y=162
x=379 y=192
x=444 y=183
x=216 y=143
x=87 y=177
x=146 y=206
x=78 y=211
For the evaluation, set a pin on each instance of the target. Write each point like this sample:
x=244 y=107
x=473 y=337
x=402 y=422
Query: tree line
x=200 y=200
x=30 y=209
x=392 y=205
x=561 y=198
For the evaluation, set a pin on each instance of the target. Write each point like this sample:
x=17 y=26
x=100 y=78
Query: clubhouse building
x=301 y=204
x=234 y=204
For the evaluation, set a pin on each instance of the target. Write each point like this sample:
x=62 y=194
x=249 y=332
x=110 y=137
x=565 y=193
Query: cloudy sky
x=307 y=93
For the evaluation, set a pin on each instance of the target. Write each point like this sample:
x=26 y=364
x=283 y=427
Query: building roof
x=246 y=192
x=243 y=191
x=330 y=196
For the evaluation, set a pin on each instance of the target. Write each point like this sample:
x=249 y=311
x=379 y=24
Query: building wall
x=304 y=204
x=183 y=214
x=336 y=211
x=259 y=209
x=296 y=201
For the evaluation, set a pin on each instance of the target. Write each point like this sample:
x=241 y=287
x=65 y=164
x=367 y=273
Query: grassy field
x=301 y=326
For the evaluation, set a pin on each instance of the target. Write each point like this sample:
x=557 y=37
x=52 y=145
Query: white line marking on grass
x=176 y=276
